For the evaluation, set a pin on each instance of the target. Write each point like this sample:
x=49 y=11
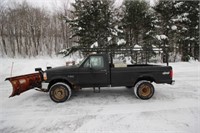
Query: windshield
x=79 y=64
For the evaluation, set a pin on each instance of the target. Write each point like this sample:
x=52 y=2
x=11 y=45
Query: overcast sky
x=58 y=4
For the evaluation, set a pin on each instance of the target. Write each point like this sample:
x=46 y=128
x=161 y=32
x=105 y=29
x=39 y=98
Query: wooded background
x=27 y=31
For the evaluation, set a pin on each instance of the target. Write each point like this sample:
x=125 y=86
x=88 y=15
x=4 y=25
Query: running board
x=96 y=91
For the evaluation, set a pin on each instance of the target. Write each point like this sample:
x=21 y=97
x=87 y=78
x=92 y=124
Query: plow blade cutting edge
x=23 y=83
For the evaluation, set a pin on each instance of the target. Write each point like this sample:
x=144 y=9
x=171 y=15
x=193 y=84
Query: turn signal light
x=45 y=76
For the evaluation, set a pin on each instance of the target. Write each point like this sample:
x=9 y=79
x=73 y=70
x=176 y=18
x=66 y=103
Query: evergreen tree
x=165 y=11
x=149 y=30
x=139 y=25
x=188 y=20
x=134 y=20
x=179 y=22
x=92 y=22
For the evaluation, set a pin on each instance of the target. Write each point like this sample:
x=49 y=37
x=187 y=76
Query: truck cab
x=94 y=71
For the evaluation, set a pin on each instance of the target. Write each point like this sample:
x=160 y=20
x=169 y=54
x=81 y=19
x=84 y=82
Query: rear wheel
x=60 y=92
x=144 y=89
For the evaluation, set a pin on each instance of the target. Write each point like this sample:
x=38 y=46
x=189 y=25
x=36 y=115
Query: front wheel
x=60 y=92
x=144 y=90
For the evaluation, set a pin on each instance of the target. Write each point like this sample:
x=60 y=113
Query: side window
x=94 y=62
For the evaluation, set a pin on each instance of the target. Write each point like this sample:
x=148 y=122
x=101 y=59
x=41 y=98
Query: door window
x=94 y=62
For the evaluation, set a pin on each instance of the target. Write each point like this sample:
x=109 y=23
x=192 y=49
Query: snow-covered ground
x=173 y=109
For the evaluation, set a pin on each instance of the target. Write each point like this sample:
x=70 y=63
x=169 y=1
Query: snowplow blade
x=24 y=83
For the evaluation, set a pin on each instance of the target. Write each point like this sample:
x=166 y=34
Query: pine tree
x=179 y=22
x=138 y=25
x=93 y=22
x=165 y=11
x=149 y=29
x=188 y=20
x=137 y=21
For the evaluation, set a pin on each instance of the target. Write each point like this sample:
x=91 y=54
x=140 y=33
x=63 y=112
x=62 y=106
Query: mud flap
x=24 y=83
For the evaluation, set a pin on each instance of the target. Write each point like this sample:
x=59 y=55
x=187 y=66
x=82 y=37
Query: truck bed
x=132 y=73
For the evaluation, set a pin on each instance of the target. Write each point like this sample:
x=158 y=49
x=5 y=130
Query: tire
x=144 y=90
x=60 y=92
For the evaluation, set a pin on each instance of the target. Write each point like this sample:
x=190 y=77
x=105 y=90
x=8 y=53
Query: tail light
x=171 y=74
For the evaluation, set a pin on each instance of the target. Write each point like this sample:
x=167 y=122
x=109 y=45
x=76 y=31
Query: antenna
x=11 y=69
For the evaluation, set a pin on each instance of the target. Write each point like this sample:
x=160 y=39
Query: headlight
x=44 y=76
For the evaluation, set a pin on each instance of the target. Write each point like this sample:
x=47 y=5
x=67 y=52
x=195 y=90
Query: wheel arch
x=145 y=77
x=59 y=79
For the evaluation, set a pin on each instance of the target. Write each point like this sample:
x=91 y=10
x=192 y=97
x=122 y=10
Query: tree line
x=172 y=25
x=31 y=31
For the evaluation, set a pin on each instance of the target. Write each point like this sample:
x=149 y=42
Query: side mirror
x=38 y=69
x=49 y=67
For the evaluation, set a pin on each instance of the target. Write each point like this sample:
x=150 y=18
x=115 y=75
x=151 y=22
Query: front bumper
x=45 y=85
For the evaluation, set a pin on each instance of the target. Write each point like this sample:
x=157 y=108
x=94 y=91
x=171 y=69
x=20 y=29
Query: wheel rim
x=59 y=93
x=145 y=90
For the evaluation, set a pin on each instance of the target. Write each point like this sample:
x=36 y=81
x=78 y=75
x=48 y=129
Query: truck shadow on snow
x=106 y=95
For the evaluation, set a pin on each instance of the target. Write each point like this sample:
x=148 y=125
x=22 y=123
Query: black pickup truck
x=96 y=70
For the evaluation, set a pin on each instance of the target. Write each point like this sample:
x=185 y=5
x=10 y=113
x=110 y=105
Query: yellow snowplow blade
x=23 y=83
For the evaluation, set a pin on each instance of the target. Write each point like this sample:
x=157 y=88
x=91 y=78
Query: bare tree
x=2 y=27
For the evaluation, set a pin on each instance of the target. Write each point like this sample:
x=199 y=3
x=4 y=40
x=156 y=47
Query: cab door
x=93 y=72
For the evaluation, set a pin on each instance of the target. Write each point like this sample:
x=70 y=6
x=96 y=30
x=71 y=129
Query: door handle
x=103 y=71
